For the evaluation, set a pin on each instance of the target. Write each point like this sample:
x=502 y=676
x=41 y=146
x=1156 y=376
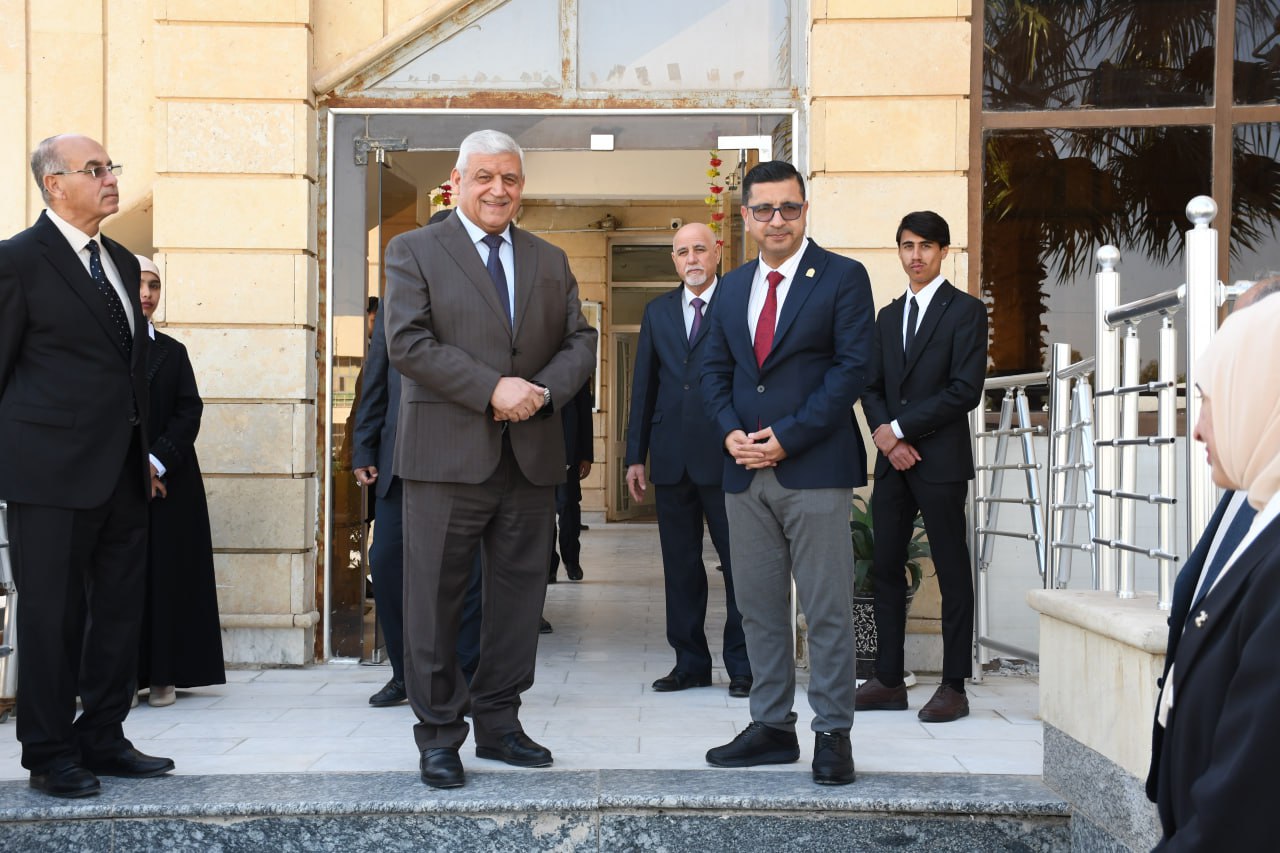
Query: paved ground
x=591 y=703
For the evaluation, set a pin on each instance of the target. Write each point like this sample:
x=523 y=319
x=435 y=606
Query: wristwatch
x=546 y=396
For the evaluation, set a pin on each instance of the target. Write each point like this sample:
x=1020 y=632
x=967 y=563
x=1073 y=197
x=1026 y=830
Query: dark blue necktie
x=115 y=308
x=1231 y=540
x=496 y=272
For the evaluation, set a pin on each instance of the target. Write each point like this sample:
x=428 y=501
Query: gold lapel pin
x=1200 y=619
x=808 y=273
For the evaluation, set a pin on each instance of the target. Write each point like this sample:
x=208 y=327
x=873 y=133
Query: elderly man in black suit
x=670 y=425
x=929 y=367
x=74 y=469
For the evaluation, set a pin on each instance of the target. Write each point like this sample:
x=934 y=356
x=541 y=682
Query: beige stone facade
x=218 y=112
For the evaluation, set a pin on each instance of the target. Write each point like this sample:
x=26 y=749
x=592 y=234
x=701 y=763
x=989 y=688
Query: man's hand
x=635 y=482
x=584 y=469
x=740 y=447
x=367 y=475
x=769 y=450
x=515 y=399
x=903 y=455
x=158 y=488
x=884 y=438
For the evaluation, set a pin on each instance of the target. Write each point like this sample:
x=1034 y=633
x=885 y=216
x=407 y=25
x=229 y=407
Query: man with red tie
x=787 y=356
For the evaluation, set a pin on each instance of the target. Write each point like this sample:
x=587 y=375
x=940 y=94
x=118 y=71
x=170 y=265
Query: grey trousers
x=776 y=534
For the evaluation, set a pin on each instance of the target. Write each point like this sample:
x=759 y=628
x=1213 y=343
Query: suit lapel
x=672 y=308
x=706 y=314
x=457 y=242
x=1215 y=609
x=893 y=326
x=156 y=354
x=67 y=263
x=928 y=324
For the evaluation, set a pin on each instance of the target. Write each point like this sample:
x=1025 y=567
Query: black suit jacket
x=579 y=437
x=669 y=422
x=931 y=389
x=1217 y=759
x=70 y=396
x=375 y=427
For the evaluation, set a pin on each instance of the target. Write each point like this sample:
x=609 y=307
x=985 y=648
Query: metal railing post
x=1203 y=298
x=1167 y=424
x=1128 y=458
x=1106 y=377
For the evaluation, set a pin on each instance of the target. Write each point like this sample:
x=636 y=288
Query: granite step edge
x=383 y=793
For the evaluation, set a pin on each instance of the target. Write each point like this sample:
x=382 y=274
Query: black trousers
x=81 y=577
x=897 y=496
x=569 y=515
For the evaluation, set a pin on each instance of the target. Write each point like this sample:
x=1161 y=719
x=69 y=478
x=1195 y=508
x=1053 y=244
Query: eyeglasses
x=764 y=212
x=98 y=172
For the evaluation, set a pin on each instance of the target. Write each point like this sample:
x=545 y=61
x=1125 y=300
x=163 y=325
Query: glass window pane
x=675 y=45
x=1051 y=198
x=1255 y=202
x=1257 y=66
x=1051 y=54
x=627 y=305
x=516 y=46
x=650 y=262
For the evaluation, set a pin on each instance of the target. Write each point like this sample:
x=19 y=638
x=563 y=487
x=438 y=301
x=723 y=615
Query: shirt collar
x=73 y=235
x=476 y=233
x=705 y=296
x=789 y=266
x=926 y=294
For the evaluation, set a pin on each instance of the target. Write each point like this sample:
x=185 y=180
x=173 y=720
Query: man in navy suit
x=929 y=368
x=74 y=469
x=669 y=424
x=787 y=356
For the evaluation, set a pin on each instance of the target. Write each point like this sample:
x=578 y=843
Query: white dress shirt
x=760 y=287
x=506 y=254
x=687 y=297
x=79 y=242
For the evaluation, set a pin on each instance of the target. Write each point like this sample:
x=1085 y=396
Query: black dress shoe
x=740 y=686
x=130 y=763
x=756 y=744
x=517 y=749
x=442 y=768
x=544 y=627
x=392 y=693
x=832 y=758
x=678 y=680
x=574 y=571
x=66 y=780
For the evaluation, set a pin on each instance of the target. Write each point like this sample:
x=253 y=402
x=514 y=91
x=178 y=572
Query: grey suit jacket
x=448 y=336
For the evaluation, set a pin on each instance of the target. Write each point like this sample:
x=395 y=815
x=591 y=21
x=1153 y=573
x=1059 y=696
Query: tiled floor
x=591 y=703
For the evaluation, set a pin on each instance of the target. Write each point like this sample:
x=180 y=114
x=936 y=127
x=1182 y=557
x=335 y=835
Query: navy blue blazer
x=931 y=390
x=668 y=420
x=375 y=428
x=817 y=369
x=1218 y=753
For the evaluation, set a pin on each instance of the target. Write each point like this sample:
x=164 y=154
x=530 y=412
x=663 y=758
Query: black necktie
x=1231 y=540
x=115 y=308
x=913 y=316
x=499 y=276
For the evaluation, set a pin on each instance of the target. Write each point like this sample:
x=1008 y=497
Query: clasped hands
x=901 y=454
x=752 y=450
x=515 y=399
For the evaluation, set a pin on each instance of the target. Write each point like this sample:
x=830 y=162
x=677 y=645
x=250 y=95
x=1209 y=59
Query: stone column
x=235 y=228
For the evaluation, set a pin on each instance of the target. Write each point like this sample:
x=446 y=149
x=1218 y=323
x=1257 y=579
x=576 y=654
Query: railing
x=8 y=637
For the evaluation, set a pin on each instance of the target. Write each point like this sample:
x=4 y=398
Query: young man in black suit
x=74 y=469
x=929 y=366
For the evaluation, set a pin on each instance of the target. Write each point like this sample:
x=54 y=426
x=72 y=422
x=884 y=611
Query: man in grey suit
x=484 y=324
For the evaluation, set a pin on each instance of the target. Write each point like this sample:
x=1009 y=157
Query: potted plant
x=862 y=533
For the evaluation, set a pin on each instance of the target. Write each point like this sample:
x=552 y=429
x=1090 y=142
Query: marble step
x=596 y=810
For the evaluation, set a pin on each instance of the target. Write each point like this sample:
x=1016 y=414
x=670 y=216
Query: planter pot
x=864 y=632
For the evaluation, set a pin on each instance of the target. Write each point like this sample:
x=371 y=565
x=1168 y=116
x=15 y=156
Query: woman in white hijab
x=1221 y=744
x=181 y=644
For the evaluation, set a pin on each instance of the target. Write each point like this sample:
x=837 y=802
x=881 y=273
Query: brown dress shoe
x=947 y=704
x=874 y=696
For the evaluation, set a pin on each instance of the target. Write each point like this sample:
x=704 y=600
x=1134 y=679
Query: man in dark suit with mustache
x=74 y=469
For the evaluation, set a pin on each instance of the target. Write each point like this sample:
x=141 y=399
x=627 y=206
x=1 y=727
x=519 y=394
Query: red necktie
x=768 y=319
